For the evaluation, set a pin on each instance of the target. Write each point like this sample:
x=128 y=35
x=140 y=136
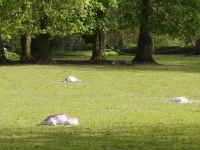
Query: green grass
x=80 y=55
x=118 y=107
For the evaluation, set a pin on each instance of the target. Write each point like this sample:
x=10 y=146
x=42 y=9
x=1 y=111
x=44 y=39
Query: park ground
x=118 y=107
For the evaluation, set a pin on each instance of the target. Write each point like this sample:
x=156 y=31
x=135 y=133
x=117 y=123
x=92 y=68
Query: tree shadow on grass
x=107 y=64
x=131 y=136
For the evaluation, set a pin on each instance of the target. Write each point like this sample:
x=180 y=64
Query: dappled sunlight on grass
x=118 y=107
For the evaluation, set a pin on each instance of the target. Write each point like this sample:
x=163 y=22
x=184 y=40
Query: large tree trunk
x=144 y=49
x=145 y=43
x=197 y=47
x=44 y=49
x=2 y=53
x=26 y=47
x=44 y=56
x=98 y=52
x=99 y=43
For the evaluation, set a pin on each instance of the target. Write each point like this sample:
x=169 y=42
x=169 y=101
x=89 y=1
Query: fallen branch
x=118 y=51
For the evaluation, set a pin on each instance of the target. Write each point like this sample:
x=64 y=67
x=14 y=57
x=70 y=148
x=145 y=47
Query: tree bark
x=197 y=47
x=144 y=49
x=98 y=41
x=44 y=49
x=26 y=47
x=98 y=52
x=2 y=53
x=145 y=43
x=44 y=55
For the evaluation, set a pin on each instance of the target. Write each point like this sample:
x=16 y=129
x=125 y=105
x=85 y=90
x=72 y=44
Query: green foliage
x=129 y=48
x=71 y=42
x=40 y=17
x=174 y=17
x=86 y=47
x=128 y=14
x=13 y=44
x=67 y=53
x=81 y=55
x=174 y=50
x=98 y=17
x=166 y=40
x=59 y=17
x=177 y=18
x=12 y=55
x=117 y=107
x=10 y=20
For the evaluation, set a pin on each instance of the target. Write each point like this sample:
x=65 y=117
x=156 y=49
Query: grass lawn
x=118 y=107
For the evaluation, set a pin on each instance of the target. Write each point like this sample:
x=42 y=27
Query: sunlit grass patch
x=118 y=107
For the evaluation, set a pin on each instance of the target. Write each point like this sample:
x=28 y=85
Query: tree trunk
x=98 y=39
x=26 y=47
x=2 y=53
x=145 y=43
x=98 y=52
x=144 y=49
x=44 y=49
x=197 y=47
x=121 y=41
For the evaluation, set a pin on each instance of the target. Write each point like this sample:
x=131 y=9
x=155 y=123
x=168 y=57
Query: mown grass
x=118 y=107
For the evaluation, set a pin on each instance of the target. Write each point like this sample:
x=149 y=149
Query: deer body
x=72 y=79
x=179 y=100
x=60 y=119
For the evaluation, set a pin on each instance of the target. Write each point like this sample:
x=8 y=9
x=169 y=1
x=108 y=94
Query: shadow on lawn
x=107 y=64
x=119 y=137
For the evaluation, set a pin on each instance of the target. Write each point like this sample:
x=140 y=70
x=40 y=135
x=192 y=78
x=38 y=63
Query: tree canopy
x=172 y=17
x=92 y=17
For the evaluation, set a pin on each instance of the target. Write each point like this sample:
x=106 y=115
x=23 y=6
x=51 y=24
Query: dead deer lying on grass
x=60 y=119
x=72 y=79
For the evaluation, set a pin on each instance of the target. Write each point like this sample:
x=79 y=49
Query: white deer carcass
x=72 y=79
x=179 y=100
x=60 y=119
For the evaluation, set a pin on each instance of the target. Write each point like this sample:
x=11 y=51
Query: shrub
x=129 y=48
x=173 y=50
